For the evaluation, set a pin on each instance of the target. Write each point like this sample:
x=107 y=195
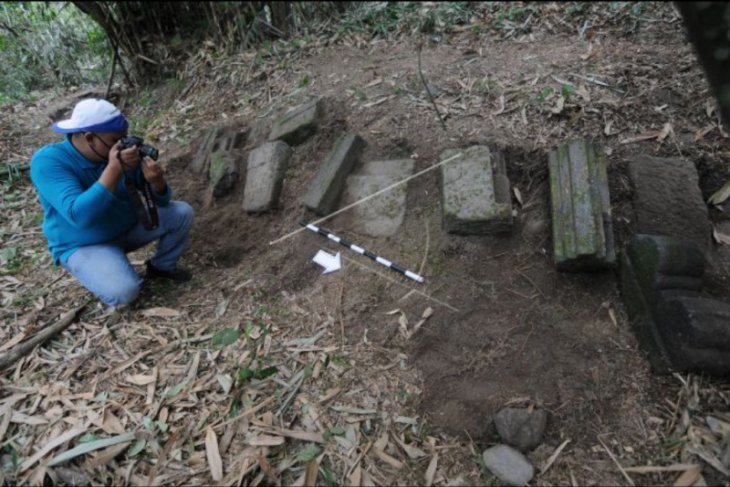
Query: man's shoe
x=179 y=275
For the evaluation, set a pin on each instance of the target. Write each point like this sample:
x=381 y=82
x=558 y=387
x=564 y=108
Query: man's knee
x=124 y=293
x=184 y=215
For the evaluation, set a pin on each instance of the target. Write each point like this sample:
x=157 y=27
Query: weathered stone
x=476 y=192
x=298 y=124
x=396 y=169
x=581 y=211
x=667 y=200
x=509 y=465
x=650 y=264
x=382 y=215
x=223 y=173
x=328 y=183
x=265 y=176
x=661 y=283
x=222 y=138
x=696 y=333
x=520 y=427
x=200 y=162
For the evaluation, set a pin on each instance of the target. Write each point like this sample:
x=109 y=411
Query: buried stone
x=521 y=428
x=298 y=124
x=327 y=185
x=582 y=228
x=476 y=192
x=267 y=165
x=679 y=328
x=223 y=173
x=381 y=215
x=509 y=465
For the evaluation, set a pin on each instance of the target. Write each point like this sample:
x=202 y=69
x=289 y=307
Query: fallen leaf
x=612 y=315
x=677 y=467
x=413 y=452
x=518 y=195
x=666 y=130
x=701 y=133
x=161 y=312
x=431 y=470
x=720 y=195
x=554 y=456
x=607 y=128
x=214 y=458
x=140 y=380
x=720 y=237
x=688 y=478
x=310 y=479
x=559 y=106
x=266 y=440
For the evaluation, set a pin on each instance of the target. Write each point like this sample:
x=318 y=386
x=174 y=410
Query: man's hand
x=126 y=159
x=154 y=174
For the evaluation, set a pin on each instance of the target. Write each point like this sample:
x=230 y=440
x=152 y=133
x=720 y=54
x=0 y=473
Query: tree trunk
x=281 y=16
x=708 y=28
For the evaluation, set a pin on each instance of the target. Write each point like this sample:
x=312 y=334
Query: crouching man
x=92 y=216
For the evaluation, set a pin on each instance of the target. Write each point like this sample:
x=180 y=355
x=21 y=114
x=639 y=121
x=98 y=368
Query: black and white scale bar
x=362 y=251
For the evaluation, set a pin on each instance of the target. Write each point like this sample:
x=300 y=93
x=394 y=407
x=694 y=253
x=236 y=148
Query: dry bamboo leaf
x=108 y=455
x=21 y=418
x=161 y=312
x=310 y=478
x=431 y=470
x=382 y=442
x=720 y=237
x=355 y=478
x=720 y=195
x=85 y=448
x=397 y=464
x=214 y=458
x=140 y=379
x=554 y=456
x=266 y=440
x=58 y=441
x=677 y=467
x=518 y=194
x=367 y=480
x=688 y=478
x=111 y=423
x=267 y=468
x=612 y=315
x=13 y=341
x=413 y=452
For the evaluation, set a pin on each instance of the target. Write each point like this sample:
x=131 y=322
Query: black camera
x=144 y=149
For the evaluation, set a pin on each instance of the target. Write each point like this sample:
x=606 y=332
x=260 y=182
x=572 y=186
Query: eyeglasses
x=104 y=142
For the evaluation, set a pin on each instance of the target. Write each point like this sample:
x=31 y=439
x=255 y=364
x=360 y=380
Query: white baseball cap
x=93 y=115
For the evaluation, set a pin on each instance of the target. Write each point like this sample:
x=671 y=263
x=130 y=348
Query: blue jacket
x=77 y=209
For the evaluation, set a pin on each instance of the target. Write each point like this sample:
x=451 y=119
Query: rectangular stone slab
x=475 y=200
x=267 y=165
x=380 y=216
x=396 y=168
x=297 y=125
x=667 y=199
x=327 y=185
x=581 y=211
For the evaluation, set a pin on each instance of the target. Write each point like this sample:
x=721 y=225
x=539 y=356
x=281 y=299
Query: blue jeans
x=105 y=270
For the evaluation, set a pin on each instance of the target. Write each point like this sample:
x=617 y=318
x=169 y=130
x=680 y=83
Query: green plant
x=45 y=44
x=543 y=94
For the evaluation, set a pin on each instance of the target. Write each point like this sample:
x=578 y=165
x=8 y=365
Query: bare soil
x=513 y=330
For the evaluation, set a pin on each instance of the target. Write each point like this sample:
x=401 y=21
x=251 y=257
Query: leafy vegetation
x=44 y=45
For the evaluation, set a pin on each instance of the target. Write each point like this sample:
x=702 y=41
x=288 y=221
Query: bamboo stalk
x=24 y=348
